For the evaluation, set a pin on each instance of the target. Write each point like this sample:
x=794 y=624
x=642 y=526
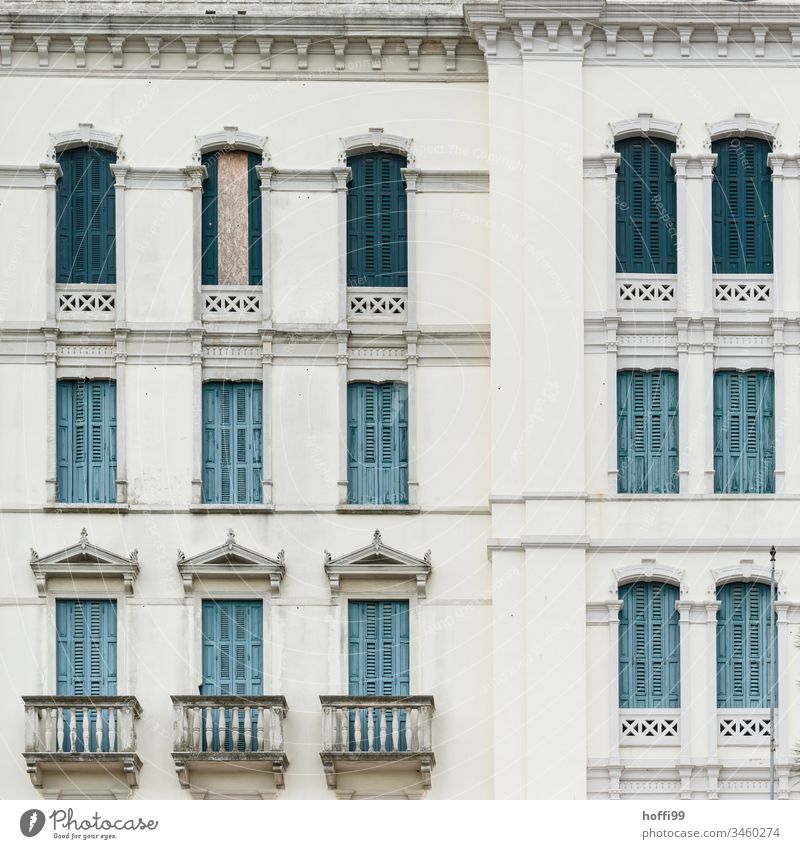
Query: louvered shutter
x=362 y=439
x=646 y=207
x=647 y=431
x=232 y=442
x=377 y=221
x=744 y=432
x=743 y=657
x=65 y=212
x=101 y=429
x=254 y=224
x=649 y=646
x=742 y=207
x=101 y=224
x=208 y=220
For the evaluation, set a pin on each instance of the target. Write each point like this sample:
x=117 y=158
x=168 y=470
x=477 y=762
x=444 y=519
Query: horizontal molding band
x=247 y=510
x=623 y=546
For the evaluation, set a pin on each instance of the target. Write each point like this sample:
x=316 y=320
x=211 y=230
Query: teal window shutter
x=254 y=220
x=744 y=432
x=86 y=217
x=378 y=655
x=646 y=207
x=232 y=442
x=649 y=646
x=208 y=223
x=233 y=663
x=377 y=443
x=377 y=221
x=743 y=656
x=86 y=441
x=741 y=203
x=647 y=431
x=86 y=663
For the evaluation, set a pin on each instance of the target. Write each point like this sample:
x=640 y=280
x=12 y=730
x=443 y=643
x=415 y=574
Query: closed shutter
x=649 y=646
x=647 y=431
x=743 y=657
x=86 y=663
x=86 y=441
x=232 y=442
x=208 y=223
x=377 y=221
x=744 y=432
x=646 y=207
x=256 y=273
x=742 y=207
x=377 y=443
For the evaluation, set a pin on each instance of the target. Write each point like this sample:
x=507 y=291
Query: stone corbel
x=552 y=28
x=376 y=50
x=685 y=35
x=339 y=46
x=265 y=51
x=116 y=42
x=759 y=41
x=413 y=45
x=524 y=36
x=581 y=35
x=450 y=45
x=301 y=45
x=795 y=33
x=6 y=43
x=722 y=40
x=611 y=40
x=227 y=45
x=79 y=46
x=648 y=37
x=42 y=43
x=190 y=46
x=154 y=47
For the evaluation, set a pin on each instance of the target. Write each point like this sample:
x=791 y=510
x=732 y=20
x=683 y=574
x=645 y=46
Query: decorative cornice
x=742 y=125
x=84 y=135
x=644 y=125
x=230 y=138
x=376 y=139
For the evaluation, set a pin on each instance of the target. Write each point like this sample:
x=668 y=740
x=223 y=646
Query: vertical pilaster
x=711 y=682
x=410 y=176
x=779 y=376
x=195 y=175
x=51 y=362
x=707 y=163
x=786 y=686
x=120 y=376
x=682 y=325
x=265 y=176
x=611 y=383
x=342 y=176
x=52 y=173
x=120 y=172
x=412 y=360
x=611 y=161
x=708 y=413
x=266 y=416
x=776 y=162
x=684 y=608
x=341 y=374
x=196 y=337
x=614 y=608
x=679 y=162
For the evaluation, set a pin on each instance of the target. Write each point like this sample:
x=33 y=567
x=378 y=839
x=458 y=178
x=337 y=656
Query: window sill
x=377 y=508
x=231 y=508
x=59 y=507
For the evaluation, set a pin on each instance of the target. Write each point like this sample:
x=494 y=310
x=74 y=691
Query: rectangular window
x=744 y=432
x=647 y=431
x=86 y=441
x=377 y=443
x=232 y=451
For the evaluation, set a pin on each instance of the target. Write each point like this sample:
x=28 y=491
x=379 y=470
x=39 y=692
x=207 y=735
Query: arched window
x=377 y=225
x=646 y=207
x=231 y=219
x=647 y=431
x=85 y=217
x=742 y=207
x=743 y=655
x=649 y=646
x=744 y=431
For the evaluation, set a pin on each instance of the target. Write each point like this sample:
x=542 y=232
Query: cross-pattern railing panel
x=235 y=301
x=652 y=728
x=743 y=727
x=377 y=302
x=743 y=292
x=87 y=301
x=646 y=292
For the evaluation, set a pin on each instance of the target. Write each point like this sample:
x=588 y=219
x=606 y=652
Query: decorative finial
x=231 y=540
x=34 y=555
x=328 y=557
x=282 y=557
x=134 y=558
x=181 y=556
x=84 y=541
x=376 y=538
x=427 y=557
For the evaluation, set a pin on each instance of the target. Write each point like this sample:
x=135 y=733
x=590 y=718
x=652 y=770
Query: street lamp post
x=772 y=674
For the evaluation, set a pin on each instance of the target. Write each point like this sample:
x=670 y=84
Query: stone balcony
x=87 y=741
x=377 y=734
x=230 y=740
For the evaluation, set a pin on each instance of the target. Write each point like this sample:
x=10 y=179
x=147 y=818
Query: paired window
x=744 y=432
x=743 y=655
x=86 y=441
x=741 y=202
x=232 y=447
x=647 y=431
x=646 y=207
x=377 y=221
x=649 y=646
x=231 y=220
x=377 y=443
x=85 y=217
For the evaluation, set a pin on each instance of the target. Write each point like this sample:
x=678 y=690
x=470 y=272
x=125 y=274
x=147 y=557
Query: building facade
x=401 y=399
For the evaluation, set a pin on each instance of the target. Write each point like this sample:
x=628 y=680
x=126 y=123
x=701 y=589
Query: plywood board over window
x=233 y=220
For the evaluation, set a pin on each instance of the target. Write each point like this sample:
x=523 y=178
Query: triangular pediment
x=376 y=560
x=231 y=560
x=85 y=560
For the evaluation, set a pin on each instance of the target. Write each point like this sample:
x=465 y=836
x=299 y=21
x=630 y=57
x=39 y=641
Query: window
x=377 y=443
x=649 y=646
x=232 y=456
x=86 y=441
x=742 y=207
x=743 y=656
x=233 y=651
x=378 y=649
x=86 y=665
x=646 y=207
x=744 y=432
x=647 y=431
x=377 y=224
x=231 y=220
x=85 y=217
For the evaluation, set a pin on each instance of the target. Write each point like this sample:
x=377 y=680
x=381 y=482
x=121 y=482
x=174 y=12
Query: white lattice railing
x=377 y=302
x=209 y=724
x=646 y=291
x=743 y=727
x=87 y=301
x=80 y=724
x=649 y=728
x=733 y=292
x=235 y=301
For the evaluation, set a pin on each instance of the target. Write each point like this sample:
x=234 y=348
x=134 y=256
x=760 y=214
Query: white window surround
x=85 y=135
x=230 y=138
x=747 y=571
x=376 y=139
x=740 y=126
x=645 y=125
x=649 y=571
